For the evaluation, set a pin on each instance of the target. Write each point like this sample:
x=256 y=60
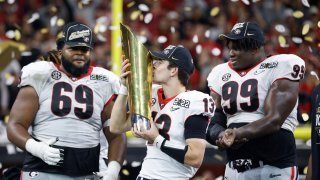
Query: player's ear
x=174 y=71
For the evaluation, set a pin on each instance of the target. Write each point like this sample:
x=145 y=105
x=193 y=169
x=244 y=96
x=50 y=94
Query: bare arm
x=195 y=153
x=22 y=115
x=120 y=120
x=117 y=142
x=217 y=123
x=278 y=104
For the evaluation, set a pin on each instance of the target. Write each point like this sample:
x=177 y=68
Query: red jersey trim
x=163 y=102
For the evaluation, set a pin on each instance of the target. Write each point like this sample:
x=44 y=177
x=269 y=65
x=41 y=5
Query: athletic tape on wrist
x=158 y=141
x=114 y=168
x=123 y=90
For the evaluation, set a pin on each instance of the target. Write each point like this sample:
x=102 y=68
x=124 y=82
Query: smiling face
x=75 y=60
x=241 y=59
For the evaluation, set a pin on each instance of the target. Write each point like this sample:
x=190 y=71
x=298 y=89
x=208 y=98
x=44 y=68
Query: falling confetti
x=308 y=38
x=214 y=11
x=135 y=14
x=60 y=22
x=195 y=39
x=53 y=21
x=216 y=52
x=282 y=41
x=297 y=40
x=305 y=29
x=172 y=29
x=148 y=18
x=34 y=17
x=280 y=28
x=162 y=39
x=143 y=7
x=44 y=30
x=131 y=4
x=17 y=34
x=198 y=49
x=125 y=172
x=306 y=3
x=246 y=2
x=297 y=14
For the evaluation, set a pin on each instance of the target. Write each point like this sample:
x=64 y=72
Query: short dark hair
x=183 y=76
x=245 y=44
x=60 y=43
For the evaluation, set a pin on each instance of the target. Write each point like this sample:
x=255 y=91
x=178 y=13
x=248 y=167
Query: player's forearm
x=117 y=148
x=17 y=134
x=258 y=129
x=195 y=154
x=120 y=120
x=278 y=105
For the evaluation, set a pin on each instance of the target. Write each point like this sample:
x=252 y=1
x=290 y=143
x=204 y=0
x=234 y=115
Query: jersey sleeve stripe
x=113 y=97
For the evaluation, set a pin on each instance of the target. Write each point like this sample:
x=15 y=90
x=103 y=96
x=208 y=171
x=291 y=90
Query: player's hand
x=124 y=70
x=112 y=173
x=149 y=135
x=226 y=139
x=43 y=150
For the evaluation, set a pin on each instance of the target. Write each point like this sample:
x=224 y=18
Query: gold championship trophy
x=140 y=80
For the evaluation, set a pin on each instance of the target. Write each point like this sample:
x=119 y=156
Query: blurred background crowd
x=32 y=27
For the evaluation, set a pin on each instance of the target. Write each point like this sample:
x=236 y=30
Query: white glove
x=112 y=172
x=42 y=150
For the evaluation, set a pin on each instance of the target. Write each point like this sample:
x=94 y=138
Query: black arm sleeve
x=218 y=123
x=195 y=127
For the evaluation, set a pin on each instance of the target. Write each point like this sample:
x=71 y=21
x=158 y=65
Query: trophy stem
x=140 y=121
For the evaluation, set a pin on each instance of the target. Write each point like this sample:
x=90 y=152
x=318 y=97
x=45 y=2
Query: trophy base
x=140 y=122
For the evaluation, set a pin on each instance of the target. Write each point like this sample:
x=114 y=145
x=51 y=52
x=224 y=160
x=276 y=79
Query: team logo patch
x=56 y=75
x=153 y=101
x=79 y=34
x=99 y=77
x=181 y=103
x=86 y=39
x=237 y=31
x=174 y=108
x=226 y=77
x=269 y=65
x=33 y=174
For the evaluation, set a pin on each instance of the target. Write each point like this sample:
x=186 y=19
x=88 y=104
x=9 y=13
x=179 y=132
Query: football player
x=66 y=105
x=314 y=160
x=256 y=107
x=176 y=140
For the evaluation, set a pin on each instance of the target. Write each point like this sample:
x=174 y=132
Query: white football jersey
x=170 y=116
x=243 y=92
x=70 y=108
